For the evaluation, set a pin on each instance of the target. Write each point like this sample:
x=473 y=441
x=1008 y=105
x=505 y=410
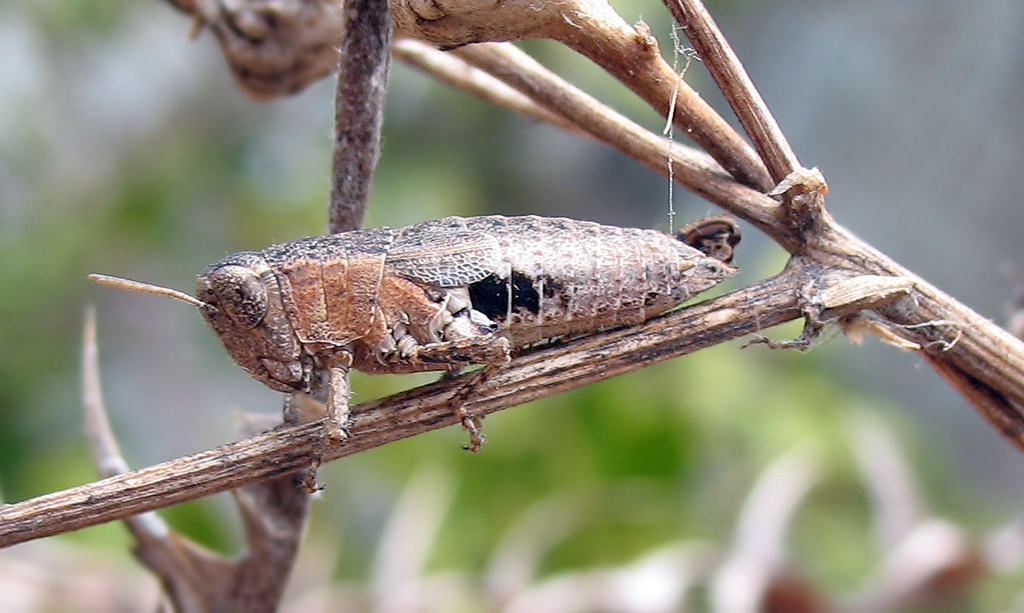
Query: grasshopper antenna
x=146 y=288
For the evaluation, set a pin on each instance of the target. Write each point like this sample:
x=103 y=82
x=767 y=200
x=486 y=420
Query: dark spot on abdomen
x=551 y=287
x=524 y=294
x=490 y=295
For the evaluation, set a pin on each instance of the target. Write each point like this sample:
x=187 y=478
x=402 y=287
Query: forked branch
x=738 y=87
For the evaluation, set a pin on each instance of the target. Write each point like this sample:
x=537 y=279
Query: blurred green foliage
x=89 y=182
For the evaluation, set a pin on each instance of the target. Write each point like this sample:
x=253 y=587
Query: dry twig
x=358 y=110
x=450 y=69
x=735 y=83
x=691 y=168
x=195 y=580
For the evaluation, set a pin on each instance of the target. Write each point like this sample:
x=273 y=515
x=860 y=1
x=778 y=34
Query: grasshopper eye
x=240 y=293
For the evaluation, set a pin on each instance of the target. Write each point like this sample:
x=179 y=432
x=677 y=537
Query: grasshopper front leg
x=336 y=424
x=302 y=407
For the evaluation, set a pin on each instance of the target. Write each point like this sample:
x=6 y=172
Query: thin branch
x=632 y=56
x=106 y=453
x=737 y=86
x=595 y=30
x=359 y=110
x=450 y=69
x=691 y=168
x=288 y=449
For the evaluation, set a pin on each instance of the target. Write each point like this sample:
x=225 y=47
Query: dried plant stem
x=359 y=110
x=450 y=69
x=1003 y=415
x=632 y=56
x=288 y=449
x=735 y=83
x=691 y=168
x=106 y=453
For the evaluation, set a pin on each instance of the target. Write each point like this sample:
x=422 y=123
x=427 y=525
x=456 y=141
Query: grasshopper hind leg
x=470 y=423
x=451 y=356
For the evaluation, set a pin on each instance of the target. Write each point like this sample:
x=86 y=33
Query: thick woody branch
x=288 y=449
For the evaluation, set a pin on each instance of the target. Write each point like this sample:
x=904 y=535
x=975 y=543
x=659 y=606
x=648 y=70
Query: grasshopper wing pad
x=444 y=257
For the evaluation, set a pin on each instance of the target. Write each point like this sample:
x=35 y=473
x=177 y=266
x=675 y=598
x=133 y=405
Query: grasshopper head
x=242 y=304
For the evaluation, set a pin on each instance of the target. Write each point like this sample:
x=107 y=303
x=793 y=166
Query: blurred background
x=126 y=148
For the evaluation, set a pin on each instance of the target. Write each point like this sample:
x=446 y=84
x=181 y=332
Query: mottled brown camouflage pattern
x=384 y=294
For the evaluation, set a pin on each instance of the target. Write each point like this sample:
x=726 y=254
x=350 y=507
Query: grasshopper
x=440 y=295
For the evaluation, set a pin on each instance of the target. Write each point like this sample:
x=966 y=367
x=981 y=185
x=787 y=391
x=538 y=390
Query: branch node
x=645 y=39
x=845 y=302
x=802 y=193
